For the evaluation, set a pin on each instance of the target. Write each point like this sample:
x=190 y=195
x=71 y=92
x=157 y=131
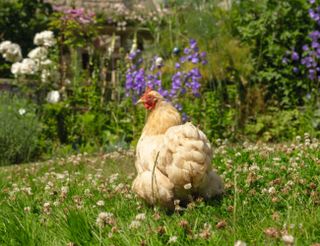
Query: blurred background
x=70 y=71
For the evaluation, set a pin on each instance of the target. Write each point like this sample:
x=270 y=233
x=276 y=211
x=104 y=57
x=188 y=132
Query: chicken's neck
x=161 y=118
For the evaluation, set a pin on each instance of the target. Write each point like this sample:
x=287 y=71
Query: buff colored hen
x=173 y=160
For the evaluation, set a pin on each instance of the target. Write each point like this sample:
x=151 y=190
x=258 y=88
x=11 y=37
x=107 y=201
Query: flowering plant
x=37 y=64
x=185 y=79
x=76 y=26
x=309 y=57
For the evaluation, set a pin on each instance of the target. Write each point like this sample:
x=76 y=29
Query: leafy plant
x=19 y=130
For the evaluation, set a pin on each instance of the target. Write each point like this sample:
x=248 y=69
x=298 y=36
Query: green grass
x=274 y=186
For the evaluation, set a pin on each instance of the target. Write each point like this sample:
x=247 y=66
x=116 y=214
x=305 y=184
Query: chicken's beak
x=141 y=100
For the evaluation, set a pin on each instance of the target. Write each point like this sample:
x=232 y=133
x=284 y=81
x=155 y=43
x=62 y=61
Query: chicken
x=173 y=160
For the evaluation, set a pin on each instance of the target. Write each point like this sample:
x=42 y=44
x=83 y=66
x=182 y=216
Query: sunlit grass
x=272 y=198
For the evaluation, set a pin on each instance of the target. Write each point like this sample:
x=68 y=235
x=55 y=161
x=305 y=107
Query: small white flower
x=141 y=216
x=100 y=203
x=288 y=239
x=135 y=224
x=22 y=111
x=105 y=218
x=53 y=97
x=45 y=75
x=272 y=190
x=159 y=62
x=172 y=239
x=134 y=47
x=46 y=62
x=187 y=186
x=64 y=189
x=240 y=243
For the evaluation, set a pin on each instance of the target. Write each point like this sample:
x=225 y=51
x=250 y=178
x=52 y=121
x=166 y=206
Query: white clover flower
x=105 y=218
x=64 y=189
x=272 y=190
x=240 y=243
x=135 y=224
x=22 y=111
x=53 y=97
x=100 y=203
x=38 y=53
x=172 y=239
x=288 y=239
x=141 y=216
x=45 y=38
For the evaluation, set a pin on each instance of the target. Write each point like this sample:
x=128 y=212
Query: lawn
x=272 y=198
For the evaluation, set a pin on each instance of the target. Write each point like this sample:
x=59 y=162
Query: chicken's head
x=150 y=99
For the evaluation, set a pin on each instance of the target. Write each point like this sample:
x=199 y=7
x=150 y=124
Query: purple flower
x=204 y=62
x=177 y=66
x=305 y=47
x=183 y=59
x=178 y=106
x=203 y=54
x=295 y=70
x=313 y=15
x=312 y=1
x=185 y=118
x=294 y=56
x=195 y=60
x=186 y=51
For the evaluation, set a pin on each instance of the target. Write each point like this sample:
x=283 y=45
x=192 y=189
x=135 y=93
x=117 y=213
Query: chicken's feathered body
x=173 y=160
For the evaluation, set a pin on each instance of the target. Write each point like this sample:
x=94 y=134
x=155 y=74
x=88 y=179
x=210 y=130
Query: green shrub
x=283 y=125
x=19 y=129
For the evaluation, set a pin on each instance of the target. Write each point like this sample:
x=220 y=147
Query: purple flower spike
x=294 y=56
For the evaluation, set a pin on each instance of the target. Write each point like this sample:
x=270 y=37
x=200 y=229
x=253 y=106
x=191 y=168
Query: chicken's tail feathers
x=185 y=156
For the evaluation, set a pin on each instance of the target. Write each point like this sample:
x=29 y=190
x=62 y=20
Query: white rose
x=16 y=68
x=28 y=66
x=38 y=53
x=45 y=38
x=11 y=52
x=4 y=46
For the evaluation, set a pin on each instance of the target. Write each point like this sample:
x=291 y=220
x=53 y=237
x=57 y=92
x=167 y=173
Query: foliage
x=274 y=27
x=19 y=130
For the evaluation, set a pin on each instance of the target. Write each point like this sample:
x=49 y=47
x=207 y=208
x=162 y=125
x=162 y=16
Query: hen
x=173 y=160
